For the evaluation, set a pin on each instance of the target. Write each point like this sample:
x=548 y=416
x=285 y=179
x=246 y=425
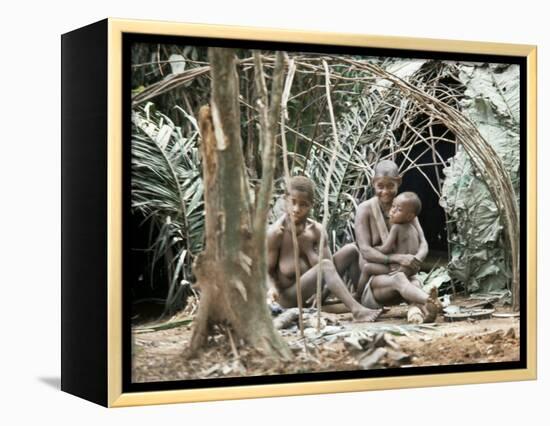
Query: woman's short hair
x=302 y=184
x=386 y=168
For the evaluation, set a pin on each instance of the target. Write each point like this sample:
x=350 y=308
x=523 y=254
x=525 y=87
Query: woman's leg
x=331 y=280
x=393 y=289
x=346 y=260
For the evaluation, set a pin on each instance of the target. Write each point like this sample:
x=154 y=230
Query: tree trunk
x=251 y=146
x=231 y=271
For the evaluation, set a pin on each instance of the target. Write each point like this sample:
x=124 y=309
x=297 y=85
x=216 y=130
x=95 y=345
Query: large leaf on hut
x=491 y=101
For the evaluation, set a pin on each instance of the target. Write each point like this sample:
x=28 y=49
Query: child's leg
x=369 y=270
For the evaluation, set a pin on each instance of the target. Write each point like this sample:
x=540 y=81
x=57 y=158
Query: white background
x=30 y=182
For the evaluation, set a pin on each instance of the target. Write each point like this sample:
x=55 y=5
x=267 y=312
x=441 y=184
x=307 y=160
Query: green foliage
x=374 y=121
x=491 y=101
x=167 y=189
x=360 y=132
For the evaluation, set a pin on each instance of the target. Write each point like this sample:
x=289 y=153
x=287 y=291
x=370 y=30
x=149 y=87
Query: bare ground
x=159 y=349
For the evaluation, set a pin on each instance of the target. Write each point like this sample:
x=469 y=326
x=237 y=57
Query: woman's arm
x=363 y=236
x=312 y=249
x=274 y=239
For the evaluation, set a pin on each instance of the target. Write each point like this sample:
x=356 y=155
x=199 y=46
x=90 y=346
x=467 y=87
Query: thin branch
x=297 y=272
x=268 y=120
x=335 y=150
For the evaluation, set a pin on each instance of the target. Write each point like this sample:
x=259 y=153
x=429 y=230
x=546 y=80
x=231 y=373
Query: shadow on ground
x=54 y=382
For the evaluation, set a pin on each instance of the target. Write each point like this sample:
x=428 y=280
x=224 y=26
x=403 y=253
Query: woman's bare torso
x=376 y=238
x=308 y=253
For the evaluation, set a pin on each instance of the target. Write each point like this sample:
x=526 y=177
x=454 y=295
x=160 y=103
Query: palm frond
x=167 y=189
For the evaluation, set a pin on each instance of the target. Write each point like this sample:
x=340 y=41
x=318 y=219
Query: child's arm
x=369 y=270
x=389 y=244
x=423 y=247
x=409 y=272
x=376 y=269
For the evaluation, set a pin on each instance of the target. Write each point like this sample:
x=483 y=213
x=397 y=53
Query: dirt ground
x=159 y=348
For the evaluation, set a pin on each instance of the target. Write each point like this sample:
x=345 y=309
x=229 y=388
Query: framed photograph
x=255 y=212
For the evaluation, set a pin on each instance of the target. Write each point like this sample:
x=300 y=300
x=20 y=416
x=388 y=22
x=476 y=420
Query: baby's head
x=405 y=207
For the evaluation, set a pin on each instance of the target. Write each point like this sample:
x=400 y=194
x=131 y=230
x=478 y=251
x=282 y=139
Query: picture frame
x=97 y=345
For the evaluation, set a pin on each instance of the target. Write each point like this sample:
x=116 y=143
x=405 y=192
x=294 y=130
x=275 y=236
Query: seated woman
x=372 y=229
x=280 y=256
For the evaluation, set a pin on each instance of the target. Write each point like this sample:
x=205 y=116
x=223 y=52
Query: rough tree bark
x=231 y=271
